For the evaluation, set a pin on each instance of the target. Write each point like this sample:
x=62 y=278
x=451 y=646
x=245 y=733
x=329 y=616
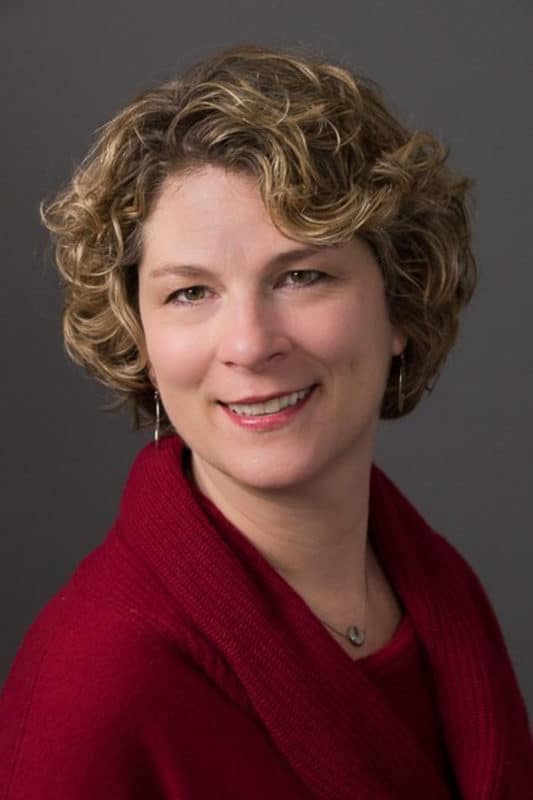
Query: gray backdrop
x=461 y=68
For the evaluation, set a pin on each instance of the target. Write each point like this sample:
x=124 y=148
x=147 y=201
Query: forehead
x=209 y=204
x=215 y=217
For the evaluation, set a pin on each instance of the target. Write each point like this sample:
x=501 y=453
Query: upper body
x=177 y=663
x=260 y=258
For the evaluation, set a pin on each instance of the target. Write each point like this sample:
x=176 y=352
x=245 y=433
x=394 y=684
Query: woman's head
x=271 y=357
x=330 y=162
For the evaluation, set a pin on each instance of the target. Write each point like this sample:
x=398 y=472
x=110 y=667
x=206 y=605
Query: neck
x=314 y=536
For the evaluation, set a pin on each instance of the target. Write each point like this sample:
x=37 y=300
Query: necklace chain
x=354 y=634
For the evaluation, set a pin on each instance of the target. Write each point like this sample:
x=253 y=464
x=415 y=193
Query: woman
x=264 y=262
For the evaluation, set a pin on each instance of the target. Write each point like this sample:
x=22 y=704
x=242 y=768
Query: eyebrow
x=196 y=271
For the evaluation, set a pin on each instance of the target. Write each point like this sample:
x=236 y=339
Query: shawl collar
x=327 y=719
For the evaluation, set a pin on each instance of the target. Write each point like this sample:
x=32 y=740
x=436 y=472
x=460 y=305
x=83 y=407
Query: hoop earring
x=157 y=417
x=401 y=379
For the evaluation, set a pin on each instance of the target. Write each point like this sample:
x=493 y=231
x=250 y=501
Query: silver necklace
x=354 y=634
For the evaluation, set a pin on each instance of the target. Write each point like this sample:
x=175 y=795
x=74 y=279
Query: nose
x=251 y=334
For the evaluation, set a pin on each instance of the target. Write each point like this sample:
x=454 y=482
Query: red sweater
x=177 y=663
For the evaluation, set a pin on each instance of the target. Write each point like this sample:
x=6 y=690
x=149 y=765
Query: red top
x=177 y=663
x=401 y=672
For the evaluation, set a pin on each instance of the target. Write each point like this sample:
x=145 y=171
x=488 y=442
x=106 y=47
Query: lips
x=252 y=399
x=267 y=419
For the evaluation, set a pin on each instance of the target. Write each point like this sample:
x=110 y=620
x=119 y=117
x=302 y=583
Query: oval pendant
x=355 y=636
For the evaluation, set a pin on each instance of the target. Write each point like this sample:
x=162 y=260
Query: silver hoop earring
x=157 y=417
x=401 y=379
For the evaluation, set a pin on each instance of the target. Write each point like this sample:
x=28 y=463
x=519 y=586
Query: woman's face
x=232 y=310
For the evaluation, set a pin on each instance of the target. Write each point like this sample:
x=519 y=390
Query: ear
x=399 y=341
x=151 y=375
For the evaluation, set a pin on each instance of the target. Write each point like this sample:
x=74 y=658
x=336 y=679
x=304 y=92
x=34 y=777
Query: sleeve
x=65 y=727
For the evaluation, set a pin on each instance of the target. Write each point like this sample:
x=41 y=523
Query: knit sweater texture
x=176 y=663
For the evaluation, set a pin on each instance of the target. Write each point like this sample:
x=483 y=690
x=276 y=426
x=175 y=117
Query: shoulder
x=92 y=672
x=443 y=562
x=446 y=569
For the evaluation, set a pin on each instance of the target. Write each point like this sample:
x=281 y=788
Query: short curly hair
x=331 y=163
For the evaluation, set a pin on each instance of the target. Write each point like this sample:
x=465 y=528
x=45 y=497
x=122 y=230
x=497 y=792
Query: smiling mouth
x=271 y=406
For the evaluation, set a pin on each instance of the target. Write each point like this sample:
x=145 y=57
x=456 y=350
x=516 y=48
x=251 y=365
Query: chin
x=273 y=482
x=270 y=474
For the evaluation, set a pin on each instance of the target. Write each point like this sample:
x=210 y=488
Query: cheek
x=348 y=333
x=176 y=359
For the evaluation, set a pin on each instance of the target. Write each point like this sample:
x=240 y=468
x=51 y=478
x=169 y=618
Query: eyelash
x=173 y=298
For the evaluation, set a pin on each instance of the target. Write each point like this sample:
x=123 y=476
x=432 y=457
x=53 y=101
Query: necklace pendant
x=355 y=636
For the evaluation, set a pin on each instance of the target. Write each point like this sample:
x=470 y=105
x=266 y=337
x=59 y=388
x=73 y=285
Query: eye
x=305 y=277
x=191 y=295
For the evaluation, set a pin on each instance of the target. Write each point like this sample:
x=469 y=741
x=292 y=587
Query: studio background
x=462 y=70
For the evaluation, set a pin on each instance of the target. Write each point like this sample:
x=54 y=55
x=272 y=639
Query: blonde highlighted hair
x=331 y=163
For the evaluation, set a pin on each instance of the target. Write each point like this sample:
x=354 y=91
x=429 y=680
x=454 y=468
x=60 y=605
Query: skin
x=252 y=327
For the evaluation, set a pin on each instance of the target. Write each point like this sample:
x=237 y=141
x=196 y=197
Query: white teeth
x=271 y=406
